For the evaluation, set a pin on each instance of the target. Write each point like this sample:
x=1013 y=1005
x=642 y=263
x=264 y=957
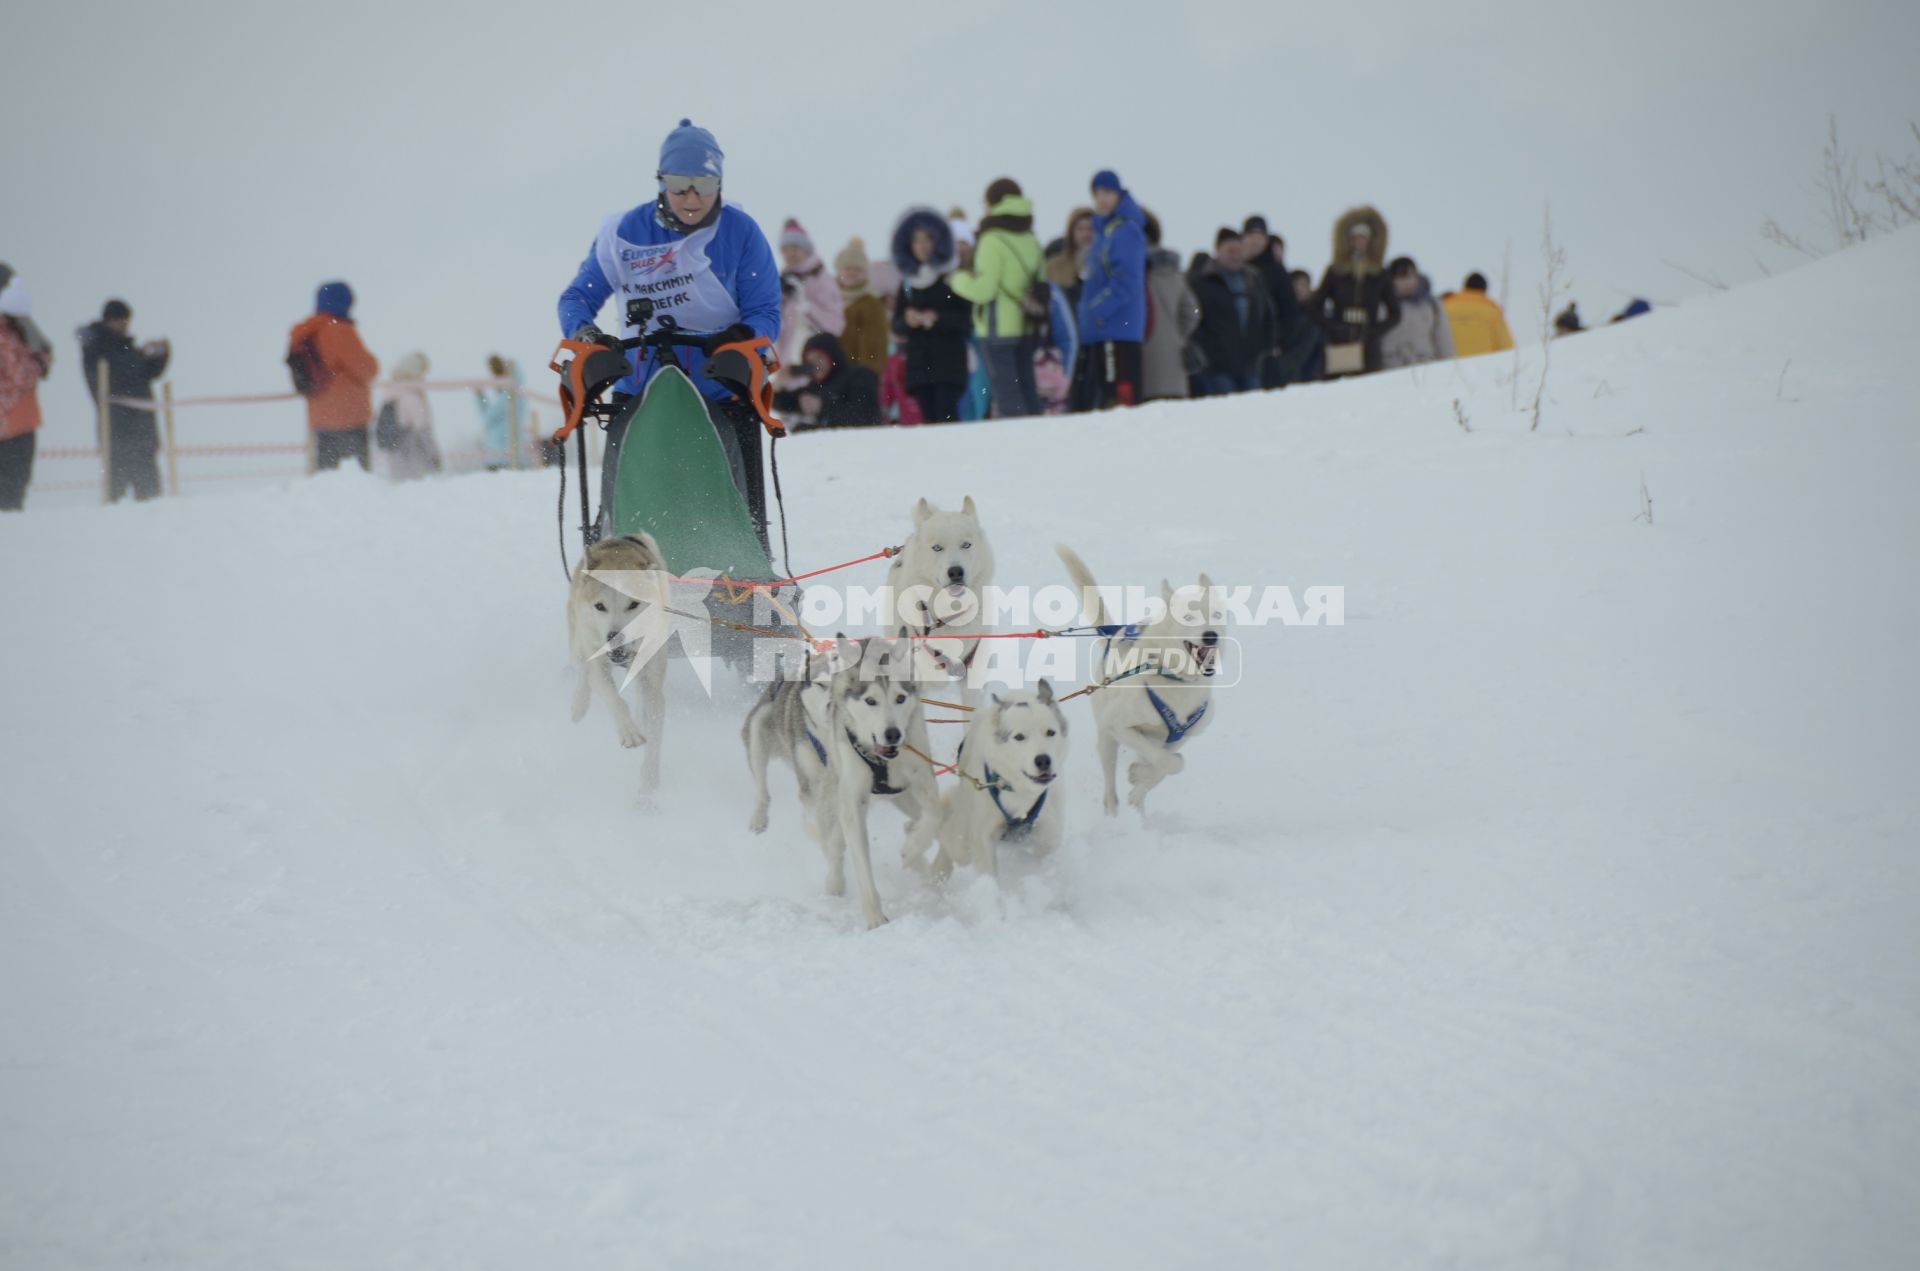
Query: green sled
x=674 y=483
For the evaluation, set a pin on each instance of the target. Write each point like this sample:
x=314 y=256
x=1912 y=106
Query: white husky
x=1158 y=699
x=616 y=611
x=1011 y=755
x=938 y=584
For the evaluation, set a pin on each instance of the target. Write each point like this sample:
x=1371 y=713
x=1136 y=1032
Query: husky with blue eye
x=617 y=628
x=1014 y=750
x=937 y=587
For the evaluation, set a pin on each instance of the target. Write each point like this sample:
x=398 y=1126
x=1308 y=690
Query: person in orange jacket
x=1475 y=319
x=335 y=373
x=25 y=357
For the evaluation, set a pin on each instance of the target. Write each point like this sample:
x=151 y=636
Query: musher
x=707 y=265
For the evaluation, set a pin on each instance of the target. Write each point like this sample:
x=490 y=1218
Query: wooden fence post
x=173 y=460
x=513 y=422
x=106 y=431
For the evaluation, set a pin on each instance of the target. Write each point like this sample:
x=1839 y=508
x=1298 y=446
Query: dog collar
x=1017 y=827
x=876 y=766
x=1177 y=729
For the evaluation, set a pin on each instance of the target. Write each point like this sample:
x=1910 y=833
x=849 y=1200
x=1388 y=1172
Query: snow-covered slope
x=1559 y=910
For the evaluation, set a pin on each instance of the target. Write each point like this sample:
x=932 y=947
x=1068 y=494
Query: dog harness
x=1177 y=729
x=933 y=625
x=877 y=766
x=818 y=749
x=1017 y=827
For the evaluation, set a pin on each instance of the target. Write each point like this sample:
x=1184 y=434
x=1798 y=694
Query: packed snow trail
x=1559 y=910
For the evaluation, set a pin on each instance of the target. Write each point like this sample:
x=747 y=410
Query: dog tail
x=1090 y=601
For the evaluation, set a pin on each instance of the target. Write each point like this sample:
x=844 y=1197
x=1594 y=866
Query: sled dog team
x=854 y=727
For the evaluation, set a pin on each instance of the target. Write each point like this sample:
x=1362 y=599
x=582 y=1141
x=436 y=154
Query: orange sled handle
x=747 y=368
x=591 y=370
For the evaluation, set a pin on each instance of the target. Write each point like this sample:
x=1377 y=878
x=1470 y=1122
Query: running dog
x=1156 y=697
x=791 y=722
x=937 y=585
x=1011 y=755
x=876 y=725
x=617 y=612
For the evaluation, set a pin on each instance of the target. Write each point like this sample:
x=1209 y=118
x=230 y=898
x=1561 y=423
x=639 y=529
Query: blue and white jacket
x=708 y=279
x=1113 y=303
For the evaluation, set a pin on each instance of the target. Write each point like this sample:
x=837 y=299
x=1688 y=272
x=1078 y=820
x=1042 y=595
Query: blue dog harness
x=1018 y=827
x=1177 y=729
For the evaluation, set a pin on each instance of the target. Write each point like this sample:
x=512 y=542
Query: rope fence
x=523 y=450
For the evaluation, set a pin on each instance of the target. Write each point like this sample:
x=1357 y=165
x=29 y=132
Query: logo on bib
x=647 y=260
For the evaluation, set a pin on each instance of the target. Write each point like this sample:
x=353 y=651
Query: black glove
x=734 y=334
x=590 y=334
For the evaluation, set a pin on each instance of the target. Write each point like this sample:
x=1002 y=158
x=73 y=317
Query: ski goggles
x=705 y=187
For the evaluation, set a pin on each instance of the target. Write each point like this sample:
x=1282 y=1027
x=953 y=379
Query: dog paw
x=632 y=738
x=758 y=823
x=1112 y=805
x=875 y=921
x=836 y=883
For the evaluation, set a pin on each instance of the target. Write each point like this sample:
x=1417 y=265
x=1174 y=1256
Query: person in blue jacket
x=706 y=264
x=503 y=414
x=1113 y=301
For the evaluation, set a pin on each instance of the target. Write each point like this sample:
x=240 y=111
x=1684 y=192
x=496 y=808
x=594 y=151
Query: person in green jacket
x=1006 y=260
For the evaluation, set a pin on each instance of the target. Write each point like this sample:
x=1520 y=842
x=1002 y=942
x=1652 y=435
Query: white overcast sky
x=211 y=162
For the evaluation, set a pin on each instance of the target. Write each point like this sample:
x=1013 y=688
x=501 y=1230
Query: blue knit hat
x=334 y=298
x=690 y=152
x=1106 y=179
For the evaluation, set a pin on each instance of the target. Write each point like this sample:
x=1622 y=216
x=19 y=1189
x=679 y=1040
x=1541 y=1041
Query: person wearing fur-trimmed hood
x=931 y=320
x=1355 y=305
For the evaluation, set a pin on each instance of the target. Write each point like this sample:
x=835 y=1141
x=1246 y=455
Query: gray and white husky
x=868 y=727
x=791 y=723
x=938 y=583
x=1014 y=750
x=1160 y=697
x=617 y=617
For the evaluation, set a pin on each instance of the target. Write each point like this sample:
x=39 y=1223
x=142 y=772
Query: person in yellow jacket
x=1006 y=260
x=1475 y=319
